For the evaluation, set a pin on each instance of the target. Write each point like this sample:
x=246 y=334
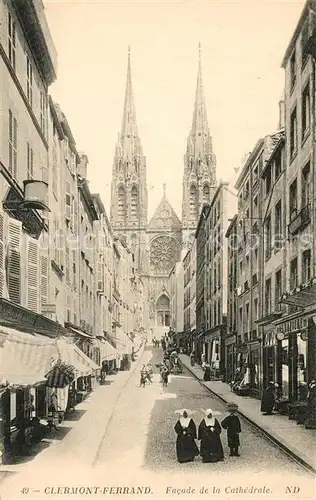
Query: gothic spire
x=129 y=126
x=199 y=132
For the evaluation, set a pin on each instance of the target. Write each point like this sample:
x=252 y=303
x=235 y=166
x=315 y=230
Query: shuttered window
x=14 y=261
x=44 y=279
x=32 y=276
x=12 y=41
x=13 y=145
x=1 y=254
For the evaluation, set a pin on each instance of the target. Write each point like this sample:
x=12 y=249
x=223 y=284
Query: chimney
x=281 y=115
x=83 y=166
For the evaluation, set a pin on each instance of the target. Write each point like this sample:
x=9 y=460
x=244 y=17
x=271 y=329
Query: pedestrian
x=207 y=373
x=185 y=428
x=165 y=376
x=211 y=449
x=268 y=399
x=149 y=372
x=143 y=376
x=232 y=424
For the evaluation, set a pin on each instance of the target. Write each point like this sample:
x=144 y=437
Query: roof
x=308 y=4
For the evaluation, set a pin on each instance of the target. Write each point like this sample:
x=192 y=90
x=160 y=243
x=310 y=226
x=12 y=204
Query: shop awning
x=302 y=296
x=107 y=351
x=25 y=358
x=79 y=332
x=70 y=353
x=13 y=373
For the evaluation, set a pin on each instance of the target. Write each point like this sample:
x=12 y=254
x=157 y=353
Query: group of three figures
x=211 y=449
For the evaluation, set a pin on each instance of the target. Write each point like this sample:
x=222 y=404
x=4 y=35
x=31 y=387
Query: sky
x=242 y=44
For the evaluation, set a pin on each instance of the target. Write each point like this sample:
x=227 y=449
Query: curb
x=293 y=453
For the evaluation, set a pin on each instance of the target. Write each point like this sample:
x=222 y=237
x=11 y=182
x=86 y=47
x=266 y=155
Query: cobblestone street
x=136 y=442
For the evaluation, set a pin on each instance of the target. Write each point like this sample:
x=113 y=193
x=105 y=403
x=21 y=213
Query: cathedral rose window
x=163 y=254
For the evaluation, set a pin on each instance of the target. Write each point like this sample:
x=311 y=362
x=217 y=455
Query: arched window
x=121 y=202
x=134 y=201
x=193 y=202
x=206 y=193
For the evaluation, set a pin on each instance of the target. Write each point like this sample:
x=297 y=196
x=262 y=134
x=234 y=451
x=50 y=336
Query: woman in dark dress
x=186 y=434
x=207 y=373
x=232 y=424
x=268 y=399
x=209 y=435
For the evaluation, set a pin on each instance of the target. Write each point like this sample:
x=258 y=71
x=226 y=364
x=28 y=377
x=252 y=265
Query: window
x=304 y=41
x=267 y=296
x=240 y=318
x=268 y=180
x=293 y=274
x=13 y=145
x=306 y=115
x=306 y=185
x=193 y=202
x=54 y=170
x=293 y=199
x=121 y=202
x=255 y=307
x=134 y=202
x=268 y=234
x=293 y=133
x=278 y=164
x=293 y=68
x=30 y=162
x=278 y=224
x=206 y=193
x=43 y=112
x=278 y=288
x=29 y=80
x=12 y=41
x=306 y=266
x=247 y=318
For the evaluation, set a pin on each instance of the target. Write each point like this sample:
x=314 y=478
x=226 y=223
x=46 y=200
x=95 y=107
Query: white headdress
x=210 y=421
x=184 y=421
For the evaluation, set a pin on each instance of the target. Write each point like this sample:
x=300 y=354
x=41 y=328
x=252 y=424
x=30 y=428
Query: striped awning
x=70 y=353
x=25 y=358
x=107 y=351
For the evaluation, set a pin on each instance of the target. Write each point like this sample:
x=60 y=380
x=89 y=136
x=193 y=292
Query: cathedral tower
x=199 y=176
x=129 y=189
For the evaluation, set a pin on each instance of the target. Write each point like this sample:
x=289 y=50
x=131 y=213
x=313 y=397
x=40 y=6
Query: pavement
x=286 y=433
x=126 y=437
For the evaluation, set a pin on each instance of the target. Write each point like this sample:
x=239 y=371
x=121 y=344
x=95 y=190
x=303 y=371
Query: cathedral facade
x=157 y=243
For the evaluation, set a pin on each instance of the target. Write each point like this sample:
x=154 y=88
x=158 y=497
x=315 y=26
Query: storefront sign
x=13 y=313
x=295 y=325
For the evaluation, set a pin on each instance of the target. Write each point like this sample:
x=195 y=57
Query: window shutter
x=1 y=254
x=15 y=148
x=44 y=279
x=68 y=201
x=14 y=261
x=32 y=275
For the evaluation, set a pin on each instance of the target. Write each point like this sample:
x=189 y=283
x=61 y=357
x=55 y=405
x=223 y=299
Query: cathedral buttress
x=199 y=178
x=129 y=189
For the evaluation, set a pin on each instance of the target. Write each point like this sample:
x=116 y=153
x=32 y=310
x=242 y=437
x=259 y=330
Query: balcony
x=300 y=220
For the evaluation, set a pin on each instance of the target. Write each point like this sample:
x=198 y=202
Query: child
x=232 y=424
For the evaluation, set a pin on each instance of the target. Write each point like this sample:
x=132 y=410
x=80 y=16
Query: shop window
x=285 y=368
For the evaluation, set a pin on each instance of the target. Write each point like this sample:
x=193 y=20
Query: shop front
x=230 y=358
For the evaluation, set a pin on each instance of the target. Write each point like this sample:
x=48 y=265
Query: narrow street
x=140 y=433
x=134 y=442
